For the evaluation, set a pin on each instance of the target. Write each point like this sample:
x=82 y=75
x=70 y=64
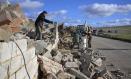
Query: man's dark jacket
x=40 y=20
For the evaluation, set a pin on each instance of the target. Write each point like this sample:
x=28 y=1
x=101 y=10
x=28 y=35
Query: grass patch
x=123 y=33
x=124 y=36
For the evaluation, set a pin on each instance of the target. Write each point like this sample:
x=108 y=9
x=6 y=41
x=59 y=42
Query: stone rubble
x=78 y=64
x=56 y=56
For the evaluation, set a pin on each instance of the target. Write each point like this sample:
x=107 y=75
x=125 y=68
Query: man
x=89 y=36
x=39 y=24
x=76 y=37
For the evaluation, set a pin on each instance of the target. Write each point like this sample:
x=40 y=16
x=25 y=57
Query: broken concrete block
x=106 y=74
x=71 y=65
x=77 y=73
x=67 y=57
x=91 y=68
x=87 y=68
x=97 y=62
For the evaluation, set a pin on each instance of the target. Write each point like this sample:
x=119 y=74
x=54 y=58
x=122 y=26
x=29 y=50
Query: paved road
x=117 y=52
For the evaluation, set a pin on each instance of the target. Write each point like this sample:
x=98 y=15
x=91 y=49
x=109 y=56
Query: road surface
x=117 y=52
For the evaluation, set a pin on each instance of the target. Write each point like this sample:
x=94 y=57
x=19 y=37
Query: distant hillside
x=117 y=32
x=119 y=29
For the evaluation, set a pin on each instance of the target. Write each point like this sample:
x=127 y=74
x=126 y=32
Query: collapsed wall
x=18 y=59
x=12 y=64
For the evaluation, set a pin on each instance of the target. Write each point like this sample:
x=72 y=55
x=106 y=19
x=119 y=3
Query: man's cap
x=44 y=12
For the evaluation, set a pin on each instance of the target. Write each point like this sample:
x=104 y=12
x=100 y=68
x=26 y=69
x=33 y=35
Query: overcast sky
x=95 y=12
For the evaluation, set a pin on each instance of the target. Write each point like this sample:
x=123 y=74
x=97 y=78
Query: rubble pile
x=84 y=67
x=67 y=62
x=60 y=55
x=61 y=63
x=65 y=39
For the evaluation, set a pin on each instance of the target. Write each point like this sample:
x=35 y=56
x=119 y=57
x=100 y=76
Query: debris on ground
x=60 y=54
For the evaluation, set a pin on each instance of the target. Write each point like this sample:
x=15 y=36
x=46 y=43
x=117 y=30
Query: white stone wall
x=12 y=63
